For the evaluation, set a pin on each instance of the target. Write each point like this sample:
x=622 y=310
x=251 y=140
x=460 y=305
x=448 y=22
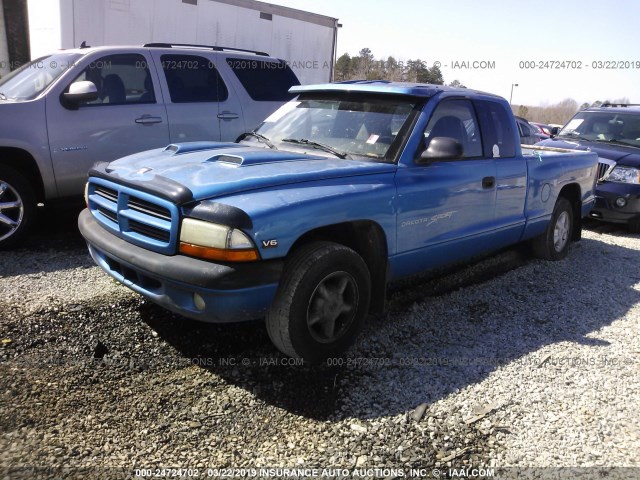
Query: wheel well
x=22 y=162
x=368 y=240
x=572 y=193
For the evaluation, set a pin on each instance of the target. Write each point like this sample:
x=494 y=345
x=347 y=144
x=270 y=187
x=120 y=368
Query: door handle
x=228 y=115
x=148 y=120
x=488 y=182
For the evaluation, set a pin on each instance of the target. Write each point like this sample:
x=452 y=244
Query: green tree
x=417 y=71
x=435 y=76
x=343 y=68
x=392 y=70
x=365 y=63
x=457 y=84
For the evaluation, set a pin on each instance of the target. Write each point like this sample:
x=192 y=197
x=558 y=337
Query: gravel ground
x=509 y=362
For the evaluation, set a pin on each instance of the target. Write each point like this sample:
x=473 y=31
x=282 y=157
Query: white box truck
x=306 y=41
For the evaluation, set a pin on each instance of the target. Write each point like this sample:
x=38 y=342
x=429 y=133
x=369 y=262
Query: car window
x=120 y=79
x=192 y=78
x=525 y=131
x=497 y=129
x=456 y=119
x=604 y=126
x=28 y=81
x=264 y=80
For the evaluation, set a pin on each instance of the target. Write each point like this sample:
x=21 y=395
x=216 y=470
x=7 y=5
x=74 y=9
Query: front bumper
x=605 y=207
x=231 y=292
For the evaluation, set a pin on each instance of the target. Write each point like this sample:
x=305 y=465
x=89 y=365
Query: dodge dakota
x=345 y=188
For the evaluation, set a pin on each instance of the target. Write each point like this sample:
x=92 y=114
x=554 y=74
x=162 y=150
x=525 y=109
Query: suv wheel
x=17 y=206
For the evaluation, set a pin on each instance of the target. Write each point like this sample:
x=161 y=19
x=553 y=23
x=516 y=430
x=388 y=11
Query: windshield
x=343 y=126
x=28 y=81
x=611 y=127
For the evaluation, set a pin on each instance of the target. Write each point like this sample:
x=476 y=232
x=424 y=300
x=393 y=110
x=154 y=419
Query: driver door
x=446 y=207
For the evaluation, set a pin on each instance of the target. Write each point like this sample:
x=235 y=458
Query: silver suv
x=63 y=113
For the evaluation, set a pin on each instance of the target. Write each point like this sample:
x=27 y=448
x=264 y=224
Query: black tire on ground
x=321 y=302
x=554 y=243
x=17 y=207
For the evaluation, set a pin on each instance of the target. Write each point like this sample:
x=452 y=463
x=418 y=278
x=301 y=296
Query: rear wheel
x=321 y=303
x=17 y=206
x=553 y=244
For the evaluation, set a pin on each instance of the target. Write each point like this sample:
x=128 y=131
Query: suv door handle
x=228 y=116
x=148 y=120
x=488 y=182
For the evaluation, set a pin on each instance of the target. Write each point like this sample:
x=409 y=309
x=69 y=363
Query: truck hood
x=621 y=154
x=210 y=169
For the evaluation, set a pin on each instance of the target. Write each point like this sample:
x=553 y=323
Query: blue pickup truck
x=347 y=187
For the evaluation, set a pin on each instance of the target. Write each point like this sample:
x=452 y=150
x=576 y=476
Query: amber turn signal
x=224 y=255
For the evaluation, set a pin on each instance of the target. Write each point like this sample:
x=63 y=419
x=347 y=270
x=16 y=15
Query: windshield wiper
x=574 y=135
x=616 y=142
x=261 y=138
x=321 y=146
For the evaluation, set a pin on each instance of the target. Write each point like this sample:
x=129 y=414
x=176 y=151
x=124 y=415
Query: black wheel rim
x=333 y=306
x=11 y=210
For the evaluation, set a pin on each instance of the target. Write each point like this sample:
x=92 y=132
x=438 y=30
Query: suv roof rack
x=620 y=104
x=212 y=47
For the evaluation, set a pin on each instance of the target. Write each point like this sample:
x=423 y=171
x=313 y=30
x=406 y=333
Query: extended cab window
x=120 y=79
x=497 y=129
x=456 y=119
x=192 y=78
x=264 y=80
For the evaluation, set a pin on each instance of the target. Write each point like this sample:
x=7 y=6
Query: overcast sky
x=506 y=33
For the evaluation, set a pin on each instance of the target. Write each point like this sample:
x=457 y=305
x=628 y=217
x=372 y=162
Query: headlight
x=624 y=175
x=215 y=242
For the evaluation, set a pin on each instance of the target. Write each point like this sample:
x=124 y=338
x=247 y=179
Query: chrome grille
x=138 y=217
x=604 y=168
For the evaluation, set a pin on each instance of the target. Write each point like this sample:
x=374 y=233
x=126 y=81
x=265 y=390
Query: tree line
x=365 y=66
x=558 y=113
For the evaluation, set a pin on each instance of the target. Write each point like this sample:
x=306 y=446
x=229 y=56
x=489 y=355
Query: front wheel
x=321 y=303
x=553 y=244
x=17 y=206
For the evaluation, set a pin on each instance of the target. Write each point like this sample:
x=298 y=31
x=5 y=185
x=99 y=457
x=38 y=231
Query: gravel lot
x=509 y=362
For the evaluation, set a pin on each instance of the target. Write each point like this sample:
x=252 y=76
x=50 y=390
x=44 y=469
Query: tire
x=633 y=226
x=17 y=207
x=321 y=302
x=553 y=244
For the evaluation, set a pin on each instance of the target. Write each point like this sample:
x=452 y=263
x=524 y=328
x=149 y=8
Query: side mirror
x=554 y=131
x=441 y=148
x=79 y=92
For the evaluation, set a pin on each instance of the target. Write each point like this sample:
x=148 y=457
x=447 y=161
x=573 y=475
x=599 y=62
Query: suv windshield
x=28 y=81
x=603 y=126
x=344 y=126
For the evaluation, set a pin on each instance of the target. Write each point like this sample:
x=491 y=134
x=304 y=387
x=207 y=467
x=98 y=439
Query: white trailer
x=307 y=41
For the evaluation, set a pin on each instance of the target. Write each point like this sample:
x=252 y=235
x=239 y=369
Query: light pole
x=511 y=96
